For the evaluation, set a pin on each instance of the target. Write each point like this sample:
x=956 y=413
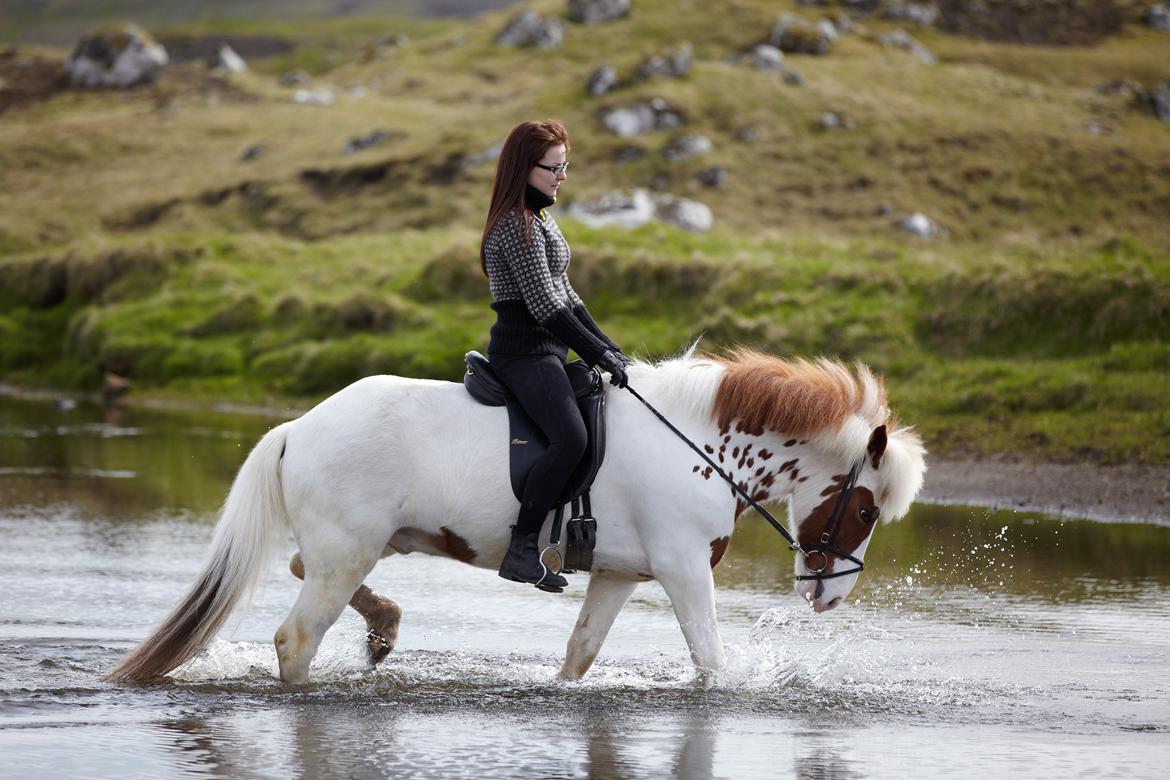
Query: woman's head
x=530 y=150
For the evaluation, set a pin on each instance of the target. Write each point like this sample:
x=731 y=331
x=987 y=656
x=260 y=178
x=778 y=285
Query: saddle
x=527 y=444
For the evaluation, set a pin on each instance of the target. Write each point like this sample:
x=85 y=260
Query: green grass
x=133 y=239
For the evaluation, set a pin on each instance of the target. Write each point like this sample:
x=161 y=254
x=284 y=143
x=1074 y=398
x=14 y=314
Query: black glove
x=617 y=370
x=622 y=356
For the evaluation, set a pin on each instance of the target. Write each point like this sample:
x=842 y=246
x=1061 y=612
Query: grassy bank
x=134 y=238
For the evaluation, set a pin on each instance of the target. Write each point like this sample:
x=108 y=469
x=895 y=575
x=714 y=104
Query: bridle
x=828 y=541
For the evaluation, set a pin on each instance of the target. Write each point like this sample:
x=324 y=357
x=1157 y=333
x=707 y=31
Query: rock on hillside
x=117 y=57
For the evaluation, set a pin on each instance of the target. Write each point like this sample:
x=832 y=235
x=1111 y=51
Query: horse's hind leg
x=382 y=615
x=324 y=595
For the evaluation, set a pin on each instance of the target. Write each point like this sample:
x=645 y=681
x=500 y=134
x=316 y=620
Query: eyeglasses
x=556 y=170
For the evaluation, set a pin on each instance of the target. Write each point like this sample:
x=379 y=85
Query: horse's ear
x=877 y=445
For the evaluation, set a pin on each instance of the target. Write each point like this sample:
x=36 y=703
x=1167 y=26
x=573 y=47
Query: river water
x=976 y=642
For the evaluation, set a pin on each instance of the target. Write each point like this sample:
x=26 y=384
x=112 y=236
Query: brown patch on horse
x=718 y=549
x=446 y=542
x=852 y=531
x=761 y=392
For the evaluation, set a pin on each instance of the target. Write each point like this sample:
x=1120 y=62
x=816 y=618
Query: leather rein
x=828 y=541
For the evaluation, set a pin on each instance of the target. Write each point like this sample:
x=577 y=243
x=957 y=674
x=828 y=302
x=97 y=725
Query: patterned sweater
x=537 y=310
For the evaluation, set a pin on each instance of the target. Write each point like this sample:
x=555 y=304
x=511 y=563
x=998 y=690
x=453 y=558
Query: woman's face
x=549 y=181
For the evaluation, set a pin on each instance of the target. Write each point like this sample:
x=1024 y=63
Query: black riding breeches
x=541 y=386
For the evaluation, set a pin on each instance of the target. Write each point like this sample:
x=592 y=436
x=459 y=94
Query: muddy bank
x=1126 y=492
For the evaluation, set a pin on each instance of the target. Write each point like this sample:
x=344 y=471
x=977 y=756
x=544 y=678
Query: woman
x=538 y=318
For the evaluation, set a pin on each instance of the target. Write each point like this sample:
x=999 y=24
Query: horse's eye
x=868 y=515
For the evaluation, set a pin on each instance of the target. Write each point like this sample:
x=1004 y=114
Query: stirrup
x=540 y=584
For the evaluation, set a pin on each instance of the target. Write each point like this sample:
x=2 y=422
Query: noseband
x=826 y=546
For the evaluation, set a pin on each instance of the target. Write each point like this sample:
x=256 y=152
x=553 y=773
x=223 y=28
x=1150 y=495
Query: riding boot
x=522 y=564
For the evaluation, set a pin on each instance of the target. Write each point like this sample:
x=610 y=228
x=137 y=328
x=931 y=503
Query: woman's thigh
x=541 y=386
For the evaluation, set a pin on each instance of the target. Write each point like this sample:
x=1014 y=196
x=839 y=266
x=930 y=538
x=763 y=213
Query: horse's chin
x=827 y=599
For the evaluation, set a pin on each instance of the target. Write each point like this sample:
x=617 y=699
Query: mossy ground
x=133 y=238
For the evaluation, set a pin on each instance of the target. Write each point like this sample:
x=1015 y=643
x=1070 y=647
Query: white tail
x=251 y=515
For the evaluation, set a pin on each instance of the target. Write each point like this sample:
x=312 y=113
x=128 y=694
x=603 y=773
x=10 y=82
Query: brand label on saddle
x=519 y=441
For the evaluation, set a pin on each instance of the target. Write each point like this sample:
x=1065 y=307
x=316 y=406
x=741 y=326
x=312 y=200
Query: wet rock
x=118 y=57
x=225 y=60
x=1156 y=100
x=712 y=177
x=601 y=81
x=767 y=57
x=921 y=225
x=640 y=207
x=295 y=78
x=925 y=14
x=253 y=152
x=529 y=29
x=361 y=142
x=642 y=118
x=793 y=35
x=1158 y=17
x=675 y=63
x=685 y=146
x=597 y=11
x=900 y=39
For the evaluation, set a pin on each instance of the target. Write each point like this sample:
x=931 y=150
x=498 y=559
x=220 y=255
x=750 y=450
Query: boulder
x=685 y=146
x=226 y=60
x=314 y=97
x=793 y=35
x=831 y=120
x=900 y=39
x=529 y=29
x=601 y=81
x=1156 y=100
x=675 y=63
x=793 y=78
x=295 y=78
x=712 y=177
x=118 y=57
x=642 y=118
x=253 y=152
x=925 y=14
x=1158 y=17
x=640 y=207
x=767 y=57
x=361 y=142
x=597 y=11
x=921 y=225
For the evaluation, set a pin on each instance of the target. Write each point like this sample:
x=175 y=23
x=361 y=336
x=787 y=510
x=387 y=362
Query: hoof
x=378 y=646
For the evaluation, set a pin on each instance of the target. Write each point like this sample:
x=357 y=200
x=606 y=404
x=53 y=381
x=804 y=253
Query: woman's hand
x=616 y=368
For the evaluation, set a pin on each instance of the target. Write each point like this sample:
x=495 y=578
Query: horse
x=392 y=465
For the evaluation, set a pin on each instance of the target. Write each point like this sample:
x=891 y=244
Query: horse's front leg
x=382 y=615
x=691 y=589
x=604 y=598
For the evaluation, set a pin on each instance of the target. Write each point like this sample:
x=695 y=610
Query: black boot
x=522 y=564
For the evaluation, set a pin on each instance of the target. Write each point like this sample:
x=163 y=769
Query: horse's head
x=836 y=512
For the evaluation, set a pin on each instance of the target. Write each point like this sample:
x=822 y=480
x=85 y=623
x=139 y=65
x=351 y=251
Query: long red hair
x=523 y=149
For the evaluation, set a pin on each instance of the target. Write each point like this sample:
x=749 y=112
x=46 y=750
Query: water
x=975 y=643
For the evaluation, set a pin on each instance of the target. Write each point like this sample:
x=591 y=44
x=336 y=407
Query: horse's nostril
x=835 y=602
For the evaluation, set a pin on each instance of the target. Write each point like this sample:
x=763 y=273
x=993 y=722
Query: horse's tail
x=251 y=515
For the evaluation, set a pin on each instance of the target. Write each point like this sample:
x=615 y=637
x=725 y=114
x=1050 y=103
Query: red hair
x=523 y=149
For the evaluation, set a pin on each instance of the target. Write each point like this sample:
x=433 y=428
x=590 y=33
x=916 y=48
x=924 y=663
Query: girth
x=528 y=443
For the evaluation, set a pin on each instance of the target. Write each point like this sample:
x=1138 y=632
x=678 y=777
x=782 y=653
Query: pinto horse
x=394 y=465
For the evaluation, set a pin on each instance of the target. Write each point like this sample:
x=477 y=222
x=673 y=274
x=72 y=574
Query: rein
x=828 y=540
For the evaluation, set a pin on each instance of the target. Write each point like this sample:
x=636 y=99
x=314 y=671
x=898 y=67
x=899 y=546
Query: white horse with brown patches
x=392 y=465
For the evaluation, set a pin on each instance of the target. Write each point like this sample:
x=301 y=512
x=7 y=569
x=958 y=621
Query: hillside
x=137 y=236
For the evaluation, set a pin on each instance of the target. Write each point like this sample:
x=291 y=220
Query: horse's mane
x=821 y=399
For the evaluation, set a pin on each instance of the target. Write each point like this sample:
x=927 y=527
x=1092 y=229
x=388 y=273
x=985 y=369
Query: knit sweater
x=537 y=310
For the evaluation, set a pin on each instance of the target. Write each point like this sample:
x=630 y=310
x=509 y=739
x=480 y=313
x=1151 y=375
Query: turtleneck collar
x=537 y=201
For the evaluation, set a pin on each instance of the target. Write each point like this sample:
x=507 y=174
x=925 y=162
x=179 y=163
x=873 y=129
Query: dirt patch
x=1125 y=492
x=27 y=78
